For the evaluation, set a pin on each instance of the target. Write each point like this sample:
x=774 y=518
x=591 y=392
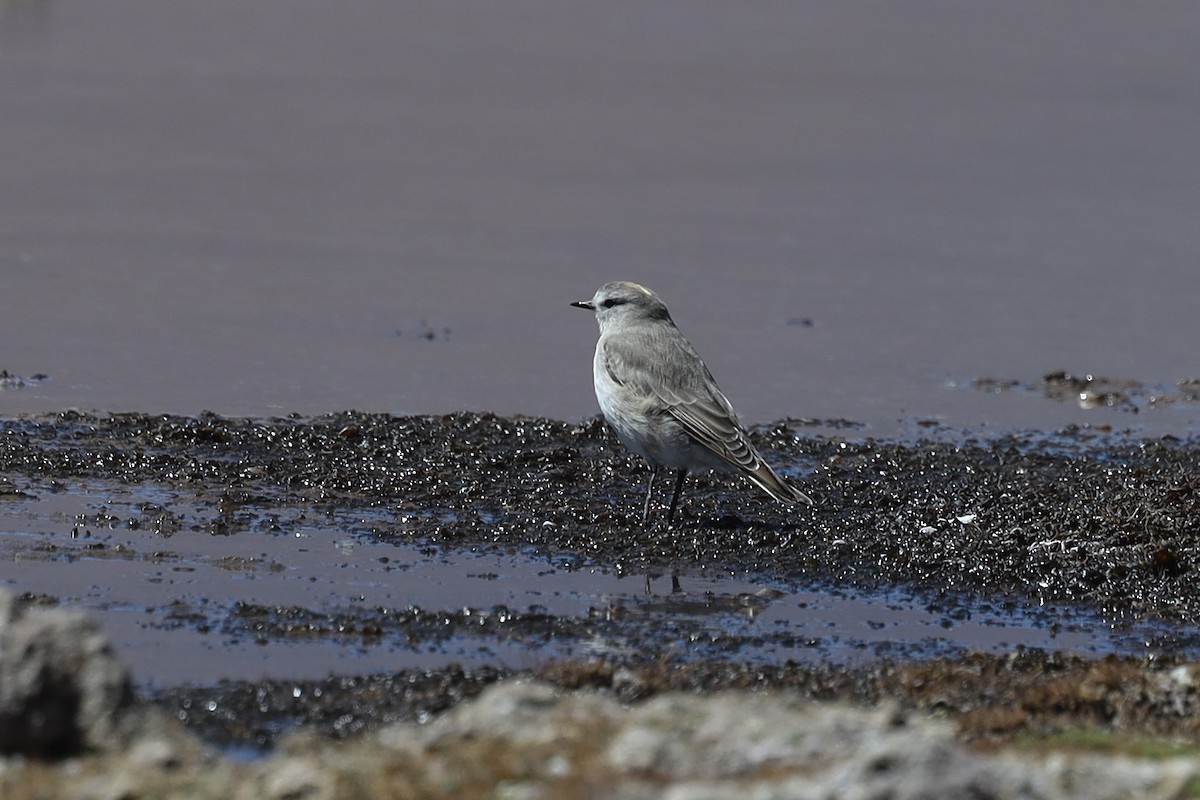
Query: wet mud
x=9 y=380
x=352 y=569
x=1091 y=391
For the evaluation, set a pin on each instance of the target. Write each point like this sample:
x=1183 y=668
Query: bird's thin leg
x=649 y=493
x=675 y=496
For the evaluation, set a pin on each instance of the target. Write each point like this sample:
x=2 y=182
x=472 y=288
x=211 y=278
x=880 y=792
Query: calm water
x=295 y=205
x=172 y=604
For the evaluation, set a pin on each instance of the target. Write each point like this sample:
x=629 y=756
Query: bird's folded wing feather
x=666 y=374
x=716 y=431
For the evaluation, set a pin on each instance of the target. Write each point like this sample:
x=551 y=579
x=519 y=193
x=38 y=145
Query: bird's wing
x=664 y=373
x=723 y=436
x=717 y=431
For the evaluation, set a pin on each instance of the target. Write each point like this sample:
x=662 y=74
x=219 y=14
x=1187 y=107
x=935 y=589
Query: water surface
x=850 y=207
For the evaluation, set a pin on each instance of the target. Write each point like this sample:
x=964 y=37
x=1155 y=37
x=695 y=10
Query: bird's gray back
x=661 y=399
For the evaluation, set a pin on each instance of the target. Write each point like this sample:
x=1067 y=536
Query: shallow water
x=852 y=208
x=185 y=605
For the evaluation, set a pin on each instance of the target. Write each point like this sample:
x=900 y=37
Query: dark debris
x=992 y=699
x=1077 y=516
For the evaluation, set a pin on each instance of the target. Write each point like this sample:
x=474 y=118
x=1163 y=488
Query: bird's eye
x=610 y=302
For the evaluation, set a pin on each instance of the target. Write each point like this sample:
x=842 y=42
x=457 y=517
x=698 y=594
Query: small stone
x=62 y=687
x=296 y=778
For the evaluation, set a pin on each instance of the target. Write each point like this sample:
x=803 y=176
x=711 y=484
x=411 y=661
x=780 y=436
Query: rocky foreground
x=71 y=727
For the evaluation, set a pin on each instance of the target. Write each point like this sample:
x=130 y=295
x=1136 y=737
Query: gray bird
x=662 y=401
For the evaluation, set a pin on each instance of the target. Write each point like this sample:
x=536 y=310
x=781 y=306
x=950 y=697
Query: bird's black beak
x=584 y=304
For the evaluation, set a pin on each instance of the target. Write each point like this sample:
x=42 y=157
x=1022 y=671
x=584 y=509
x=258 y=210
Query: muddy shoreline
x=1081 y=517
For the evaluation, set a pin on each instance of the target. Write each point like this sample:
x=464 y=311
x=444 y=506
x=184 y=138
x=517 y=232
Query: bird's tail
x=762 y=476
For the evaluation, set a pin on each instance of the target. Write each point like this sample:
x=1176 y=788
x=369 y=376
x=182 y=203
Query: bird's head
x=624 y=300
